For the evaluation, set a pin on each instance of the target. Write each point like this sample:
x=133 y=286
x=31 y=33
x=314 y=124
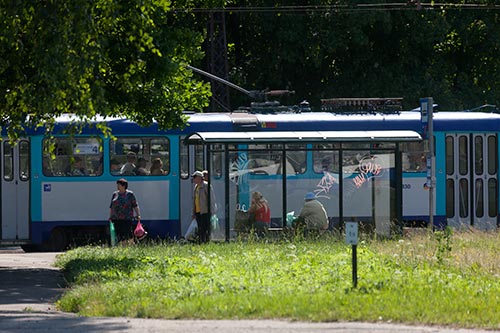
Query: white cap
x=197 y=173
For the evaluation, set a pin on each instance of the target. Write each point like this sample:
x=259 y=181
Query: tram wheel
x=58 y=240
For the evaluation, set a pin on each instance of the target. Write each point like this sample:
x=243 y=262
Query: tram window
x=382 y=145
x=355 y=145
x=492 y=198
x=266 y=159
x=263 y=161
x=160 y=149
x=184 y=160
x=217 y=160
x=450 y=155
x=353 y=159
x=414 y=157
x=133 y=156
x=198 y=157
x=296 y=156
x=478 y=155
x=479 y=202
x=463 y=155
x=237 y=162
x=325 y=160
x=125 y=152
x=8 y=162
x=72 y=156
x=492 y=155
x=464 y=197
x=450 y=198
x=24 y=160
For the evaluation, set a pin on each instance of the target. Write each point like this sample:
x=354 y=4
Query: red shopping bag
x=139 y=231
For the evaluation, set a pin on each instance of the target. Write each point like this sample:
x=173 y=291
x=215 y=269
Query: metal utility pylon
x=217 y=61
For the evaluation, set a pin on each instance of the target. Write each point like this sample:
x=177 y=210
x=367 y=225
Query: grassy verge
x=430 y=279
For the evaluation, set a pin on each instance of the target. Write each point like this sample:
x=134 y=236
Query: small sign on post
x=351 y=233
x=351 y=237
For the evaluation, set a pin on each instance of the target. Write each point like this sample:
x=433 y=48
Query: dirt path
x=29 y=286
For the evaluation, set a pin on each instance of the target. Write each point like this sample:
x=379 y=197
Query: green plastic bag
x=214 y=220
x=112 y=233
x=290 y=219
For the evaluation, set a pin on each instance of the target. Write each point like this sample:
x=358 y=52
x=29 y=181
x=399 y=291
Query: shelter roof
x=301 y=137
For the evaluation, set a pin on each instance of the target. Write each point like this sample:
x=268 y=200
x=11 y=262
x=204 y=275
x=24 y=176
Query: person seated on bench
x=260 y=213
x=312 y=216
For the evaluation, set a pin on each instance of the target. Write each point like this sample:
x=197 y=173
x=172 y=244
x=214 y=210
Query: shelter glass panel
x=257 y=170
x=369 y=189
x=218 y=193
x=323 y=184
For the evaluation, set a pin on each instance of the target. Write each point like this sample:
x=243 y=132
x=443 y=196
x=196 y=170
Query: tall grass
x=437 y=278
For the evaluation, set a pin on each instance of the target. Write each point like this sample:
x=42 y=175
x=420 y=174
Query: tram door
x=15 y=172
x=192 y=159
x=472 y=180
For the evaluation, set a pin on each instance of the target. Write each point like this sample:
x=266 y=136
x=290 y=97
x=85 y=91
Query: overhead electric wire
x=411 y=5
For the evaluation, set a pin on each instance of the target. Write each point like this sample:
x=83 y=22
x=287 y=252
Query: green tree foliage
x=97 y=57
x=368 y=49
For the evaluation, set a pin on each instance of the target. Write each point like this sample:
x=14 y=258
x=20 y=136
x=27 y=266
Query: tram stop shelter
x=356 y=175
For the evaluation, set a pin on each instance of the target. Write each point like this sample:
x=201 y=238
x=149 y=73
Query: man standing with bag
x=200 y=206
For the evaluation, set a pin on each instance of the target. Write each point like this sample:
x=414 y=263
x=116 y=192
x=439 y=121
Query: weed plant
x=441 y=278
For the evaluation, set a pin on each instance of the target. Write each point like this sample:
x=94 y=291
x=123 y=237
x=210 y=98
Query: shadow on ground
x=25 y=286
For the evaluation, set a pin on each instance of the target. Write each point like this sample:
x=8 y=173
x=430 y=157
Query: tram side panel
x=415 y=200
x=78 y=203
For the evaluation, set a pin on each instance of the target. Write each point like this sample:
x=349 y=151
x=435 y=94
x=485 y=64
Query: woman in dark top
x=121 y=210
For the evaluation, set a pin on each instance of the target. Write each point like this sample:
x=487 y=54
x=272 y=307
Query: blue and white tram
x=54 y=198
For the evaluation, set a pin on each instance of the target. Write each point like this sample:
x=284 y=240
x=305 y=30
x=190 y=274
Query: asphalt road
x=29 y=286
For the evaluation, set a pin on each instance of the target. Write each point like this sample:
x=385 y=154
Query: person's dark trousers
x=203 y=221
x=123 y=230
